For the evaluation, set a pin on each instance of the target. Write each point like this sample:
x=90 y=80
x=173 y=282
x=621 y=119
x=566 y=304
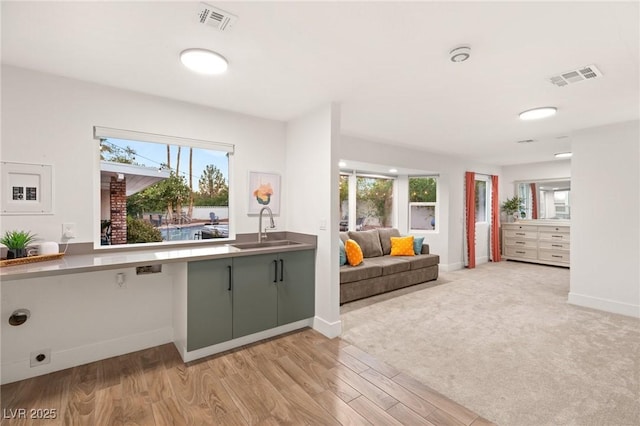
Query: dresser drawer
x=523 y=253
x=516 y=227
x=554 y=236
x=554 y=256
x=518 y=242
x=553 y=245
x=518 y=234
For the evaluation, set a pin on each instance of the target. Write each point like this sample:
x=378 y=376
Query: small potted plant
x=511 y=206
x=17 y=242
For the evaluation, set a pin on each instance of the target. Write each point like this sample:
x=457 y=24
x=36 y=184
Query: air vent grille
x=588 y=72
x=216 y=18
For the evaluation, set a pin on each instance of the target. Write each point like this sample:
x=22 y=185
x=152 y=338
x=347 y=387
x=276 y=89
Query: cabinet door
x=255 y=295
x=208 y=303
x=296 y=286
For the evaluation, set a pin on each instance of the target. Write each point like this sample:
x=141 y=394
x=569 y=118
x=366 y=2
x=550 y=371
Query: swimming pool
x=190 y=232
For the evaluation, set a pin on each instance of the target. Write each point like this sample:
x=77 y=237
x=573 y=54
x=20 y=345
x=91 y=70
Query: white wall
x=312 y=167
x=605 y=218
x=448 y=241
x=49 y=119
x=83 y=318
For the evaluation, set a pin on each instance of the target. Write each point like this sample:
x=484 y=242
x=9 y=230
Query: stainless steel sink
x=265 y=244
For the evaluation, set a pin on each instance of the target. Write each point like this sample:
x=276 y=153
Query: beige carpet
x=503 y=341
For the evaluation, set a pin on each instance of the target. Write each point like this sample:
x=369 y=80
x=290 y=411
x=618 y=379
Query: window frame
x=100 y=133
x=435 y=204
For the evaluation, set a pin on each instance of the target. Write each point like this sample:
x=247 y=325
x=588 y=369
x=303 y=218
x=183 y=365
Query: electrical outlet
x=40 y=357
x=120 y=282
x=68 y=230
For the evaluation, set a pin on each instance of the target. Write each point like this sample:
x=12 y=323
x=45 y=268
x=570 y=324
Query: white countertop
x=73 y=264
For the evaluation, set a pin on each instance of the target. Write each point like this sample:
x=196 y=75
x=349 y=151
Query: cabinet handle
x=556 y=245
x=281 y=270
x=521 y=252
x=520 y=233
x=556 y=255
x=275 y=277
x=230 y=275
x=520 y=242
x=556 y=236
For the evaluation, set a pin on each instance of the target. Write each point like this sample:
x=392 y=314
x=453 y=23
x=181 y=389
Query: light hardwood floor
x=299 y=378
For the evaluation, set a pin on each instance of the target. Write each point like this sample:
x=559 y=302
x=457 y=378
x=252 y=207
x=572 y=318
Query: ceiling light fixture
x=564 y=154
x=393 y=170
x=204 y=61
x=460 y=53
x=342 y=164
x=536 y=113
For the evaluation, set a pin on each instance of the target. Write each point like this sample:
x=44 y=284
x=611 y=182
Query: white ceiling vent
x=216 y=18
x=588 y=72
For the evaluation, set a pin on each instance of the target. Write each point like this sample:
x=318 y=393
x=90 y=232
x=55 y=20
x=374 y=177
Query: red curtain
x=470 y=187
x=534 y=201
x=495 y=220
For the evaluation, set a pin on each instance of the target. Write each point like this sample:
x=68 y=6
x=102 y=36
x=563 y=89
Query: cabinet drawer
x=554 y=256
x=523 y=253
x=553 y=245
x=554 y=236
x=515 y=227
x=516 y=233
x=517 y=242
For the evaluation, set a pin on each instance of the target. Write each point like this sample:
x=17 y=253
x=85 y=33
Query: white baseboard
x=240 y=341
x=607 y=305
x=19 y=370
x=449 y=267
x=329 y=329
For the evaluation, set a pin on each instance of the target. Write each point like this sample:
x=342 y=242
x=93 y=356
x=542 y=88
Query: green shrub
x=139 y=231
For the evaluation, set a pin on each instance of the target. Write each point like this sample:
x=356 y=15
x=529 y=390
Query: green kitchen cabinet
x=296 y=286
x=255 y=294
x=209 y=303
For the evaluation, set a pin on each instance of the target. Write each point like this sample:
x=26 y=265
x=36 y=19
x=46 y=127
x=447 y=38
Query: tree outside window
x=423 y=196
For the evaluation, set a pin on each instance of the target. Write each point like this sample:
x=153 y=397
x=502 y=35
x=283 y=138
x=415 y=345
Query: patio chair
x=214 y=219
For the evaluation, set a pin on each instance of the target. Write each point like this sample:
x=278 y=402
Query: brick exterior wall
x=118 y=199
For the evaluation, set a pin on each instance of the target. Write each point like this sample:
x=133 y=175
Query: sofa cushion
x=390 y=265
x=364 y=271
x=417 y=244
x=343 y=254
x=369 y=241
x=385 y=238
x=423 y=260
x=402 y=246
x=354 y=252
x=344 y=236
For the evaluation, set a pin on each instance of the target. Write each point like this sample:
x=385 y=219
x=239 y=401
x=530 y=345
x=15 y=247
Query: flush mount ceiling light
x=204 y=61
x=536 y=113
x=564 y=154
x=342 y=164
x=393 y=170
x=460 y=53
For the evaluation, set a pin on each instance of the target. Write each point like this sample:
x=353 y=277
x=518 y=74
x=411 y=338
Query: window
x=374 y=202
x=481 y=201
x=344 y=202
x=158 y=189
x=423 y=196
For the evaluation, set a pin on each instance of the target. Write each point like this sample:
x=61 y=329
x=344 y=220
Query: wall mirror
x=548 y=199
x=157 y=189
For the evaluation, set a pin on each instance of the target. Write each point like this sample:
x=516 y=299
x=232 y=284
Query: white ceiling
x=385 y=62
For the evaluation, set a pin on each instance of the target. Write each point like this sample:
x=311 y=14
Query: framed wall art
x=264 y=191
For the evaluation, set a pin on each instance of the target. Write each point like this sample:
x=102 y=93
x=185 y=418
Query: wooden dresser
x=537 y=242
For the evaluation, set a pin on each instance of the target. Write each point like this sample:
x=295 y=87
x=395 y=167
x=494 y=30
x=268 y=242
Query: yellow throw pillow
x=402 y=246
x=354 y=253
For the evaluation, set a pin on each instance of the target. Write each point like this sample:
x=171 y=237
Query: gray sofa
x=380 y=272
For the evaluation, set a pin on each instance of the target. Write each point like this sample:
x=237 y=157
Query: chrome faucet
x=272 y=225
